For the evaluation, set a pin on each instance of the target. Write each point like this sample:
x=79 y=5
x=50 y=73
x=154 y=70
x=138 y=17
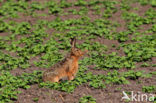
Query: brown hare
x=68 y=67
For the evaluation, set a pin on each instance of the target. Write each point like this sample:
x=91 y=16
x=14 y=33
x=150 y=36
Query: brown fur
x=68 y=67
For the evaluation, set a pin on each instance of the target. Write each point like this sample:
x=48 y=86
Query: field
x=120 y=36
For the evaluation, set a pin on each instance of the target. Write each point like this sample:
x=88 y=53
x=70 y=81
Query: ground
x=119 y=35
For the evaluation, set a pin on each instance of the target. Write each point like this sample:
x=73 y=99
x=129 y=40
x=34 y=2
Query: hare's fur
x=68 y=67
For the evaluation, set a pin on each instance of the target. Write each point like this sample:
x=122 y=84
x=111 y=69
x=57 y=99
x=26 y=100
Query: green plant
x=35 y=99
x=35 y=35
x=87 y=99
x=3 y=26
x=122 y=36
x=115 y=77
x=133 y=75
x=149 y=89
x=53 y=7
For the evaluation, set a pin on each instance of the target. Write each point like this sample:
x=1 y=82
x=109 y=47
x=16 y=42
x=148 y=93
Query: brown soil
x=112 y=94
x=3 y=34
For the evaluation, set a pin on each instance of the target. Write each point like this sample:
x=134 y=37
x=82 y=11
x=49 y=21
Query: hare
x=68 y=67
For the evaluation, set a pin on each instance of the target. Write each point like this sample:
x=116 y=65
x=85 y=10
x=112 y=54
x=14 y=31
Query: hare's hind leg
x=55 y=79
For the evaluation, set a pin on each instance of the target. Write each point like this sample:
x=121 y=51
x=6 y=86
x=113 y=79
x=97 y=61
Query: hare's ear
x=73 y=42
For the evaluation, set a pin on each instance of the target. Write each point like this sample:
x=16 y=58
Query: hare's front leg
x=70 y=77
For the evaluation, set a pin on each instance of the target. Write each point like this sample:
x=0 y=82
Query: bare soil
x=112 y=94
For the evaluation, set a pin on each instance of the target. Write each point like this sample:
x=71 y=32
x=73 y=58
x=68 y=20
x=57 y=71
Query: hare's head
x=75 y=51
